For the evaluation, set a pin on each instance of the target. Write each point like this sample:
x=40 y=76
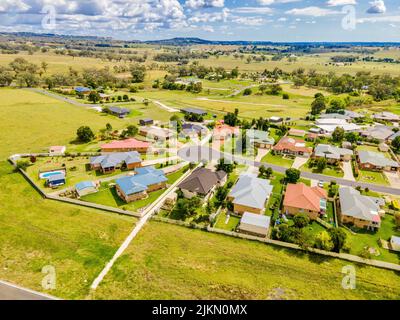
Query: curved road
x=9 y=291
x=204 y=153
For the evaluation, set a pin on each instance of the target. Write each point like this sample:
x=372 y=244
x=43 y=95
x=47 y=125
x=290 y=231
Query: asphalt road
x=204 y=153
x=9 y=291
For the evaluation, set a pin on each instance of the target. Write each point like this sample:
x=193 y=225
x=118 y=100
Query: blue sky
x=275 y=20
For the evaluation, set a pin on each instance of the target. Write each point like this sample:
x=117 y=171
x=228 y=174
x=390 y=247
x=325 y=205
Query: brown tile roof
x=304 y=197
x=292 y=144
x=202 y=180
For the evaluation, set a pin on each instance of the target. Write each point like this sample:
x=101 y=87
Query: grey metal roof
x=376 y=159
x=258 y=220
x=114 y=159
x=331 y=152
x=334 y=116
x=194 y=111
x=395 y=240
x=259 y=136
x=251 y=191
x=353 y=204
x=379 y=132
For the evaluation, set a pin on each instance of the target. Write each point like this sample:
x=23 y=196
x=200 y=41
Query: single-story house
x=156 y=133
x=292 y=146
x=202 y=182
x=147 y=179
x=327 y=126
x=110 y=162
x=146 y=122
x=223 y=131
x=57 y=150
x=126 y=145
x=199 y=112
x=259 y=139
x=379 y=132
x=315 y=130
x=297 y=132
x=300 y=198
x=331 y=153
x=104 y=97
x=250 y=194
x=347 y=145
x=369 y=160
x=383 y=147
x=395 y=243
x=120 y=112
x=82 y=90
x=311 y=136
x=359 y=210
x=331 y=121
x=56 y=180
x=193 y=130
x=275 y=119
x=335 y=116
x=85 y=187
x=254 y=224
x=353 y=114
x=386 y=116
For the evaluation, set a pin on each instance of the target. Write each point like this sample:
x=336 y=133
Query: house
x=126 y=145
x=275 y=119
x=328 y=125
x=82 y=90
x=331 y=153
x=223 y=131
x=383 y=147
x=395 y=243
x=369 y=160
x=250 y=194
x=119 y=112
x=335 y=116
x=386 y=116
x=147 y=179
x=254 y=224
x=199 y=112
x=120 y=160
x=156 y=133
x=311 y=137
x=104 y=97
x=202 y=182
x=353 y=114
x=57 y=150
x=297 y=133
x=315 y=130
x=300 y=198
x=56 y=180
x=193 y=130
x=359 y=210
x=331 y=121
x=146 y=122
x=379 y=132
x=292 y=146
x=259 y=139
x=85 y=187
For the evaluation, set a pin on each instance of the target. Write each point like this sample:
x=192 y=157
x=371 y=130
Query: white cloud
x=13 y=6
x=197 y=4
x=311 y=11
x=391 y=19
x=269 y=2
x=257 y=10
x=249 y=21
x=210 y=17
x=377 y=7
x=335 y=3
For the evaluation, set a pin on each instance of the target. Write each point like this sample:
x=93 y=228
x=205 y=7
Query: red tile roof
x=126 y=144
x=224 y=130
x=304 y=197
x=292 y=144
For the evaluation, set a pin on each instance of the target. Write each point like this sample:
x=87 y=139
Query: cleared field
x=168 y=261
x=36 y=233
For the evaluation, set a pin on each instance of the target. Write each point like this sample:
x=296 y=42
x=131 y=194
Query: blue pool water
x=49 y=174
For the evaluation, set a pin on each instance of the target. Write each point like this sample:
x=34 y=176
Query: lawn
x=35 y=233
x=373 y=149
x=277 y=160
x=232 y=224
x=334 y=171
x=368 y=238
x=372 y=177
x=173 y=262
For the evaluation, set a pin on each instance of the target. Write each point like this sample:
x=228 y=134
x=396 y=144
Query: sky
x=262 y=20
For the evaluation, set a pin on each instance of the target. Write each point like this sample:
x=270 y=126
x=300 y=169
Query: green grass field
x=277 y=160
x=173 y=262
x=372 y=177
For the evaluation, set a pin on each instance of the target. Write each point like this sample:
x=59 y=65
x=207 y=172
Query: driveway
x=261 y=154
x=394 y=179
x=164 y=106
x=348 y=171
x=299 y=162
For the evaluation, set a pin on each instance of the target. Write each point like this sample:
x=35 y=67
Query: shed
x=57 y=150
x=146 y=122
x=255 y=224
x=55 y=180
x=395 y=243
x=85 y=187
x=196 y=111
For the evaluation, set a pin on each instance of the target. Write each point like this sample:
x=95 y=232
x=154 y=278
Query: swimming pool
x=46 y=175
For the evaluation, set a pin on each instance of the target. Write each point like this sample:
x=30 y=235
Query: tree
x=85 y=134
x=301 y=220
x=177 y=122
x=247 y=92
x=321 y=164
x=351 y=137
x=318 y=105
x=109 y=127
x=185 y=208
x=225 y=166
x=138 y=73
x=265 y=172
x=396 y=144
x=292 y=175
x=94 y=96
x=397 y=219
x=323 y=241
x=338 y=237
x=338 y=134
x=130 y=131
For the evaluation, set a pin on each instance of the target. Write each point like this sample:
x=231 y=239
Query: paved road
x=10 y=291
x=204 y=153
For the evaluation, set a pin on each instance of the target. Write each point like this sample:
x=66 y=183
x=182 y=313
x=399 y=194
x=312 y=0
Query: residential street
x=204 y=153
x=10 y=291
